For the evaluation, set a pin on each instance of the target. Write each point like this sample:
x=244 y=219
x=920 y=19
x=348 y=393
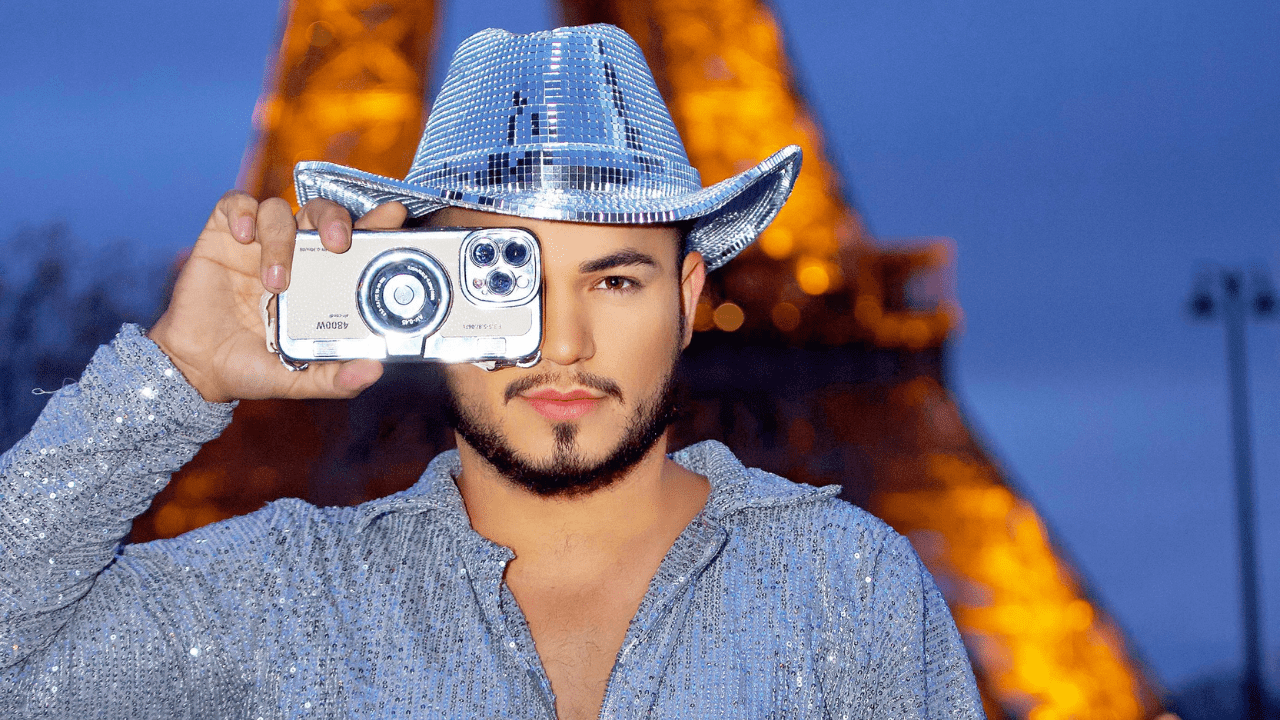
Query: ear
x=693 y=275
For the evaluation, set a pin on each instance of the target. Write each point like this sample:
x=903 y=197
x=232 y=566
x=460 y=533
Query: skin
x=583 y=562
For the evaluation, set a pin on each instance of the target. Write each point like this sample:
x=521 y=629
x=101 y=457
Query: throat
x=579 y=599
x=579 y=577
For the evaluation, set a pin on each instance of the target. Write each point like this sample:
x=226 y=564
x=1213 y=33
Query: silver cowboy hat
x=568 y=125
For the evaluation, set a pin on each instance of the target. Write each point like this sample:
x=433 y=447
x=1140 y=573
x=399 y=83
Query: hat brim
x=729 y=215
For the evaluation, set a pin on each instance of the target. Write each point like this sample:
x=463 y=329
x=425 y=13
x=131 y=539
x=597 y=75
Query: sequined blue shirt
x=777 y=600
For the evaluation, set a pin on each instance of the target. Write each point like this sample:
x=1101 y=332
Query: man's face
x=617 y=314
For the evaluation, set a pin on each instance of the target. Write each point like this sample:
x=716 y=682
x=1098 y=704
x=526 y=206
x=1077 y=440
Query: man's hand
x=212 y=329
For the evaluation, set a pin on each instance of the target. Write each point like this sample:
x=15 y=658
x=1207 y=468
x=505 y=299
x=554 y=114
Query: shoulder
x=424 y=515
x=768 y=517
x=287 y=526
x=843 y=544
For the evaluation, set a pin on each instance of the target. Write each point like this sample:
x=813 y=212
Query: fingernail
x=275 y=279
x=244 y=228
x=337 y=231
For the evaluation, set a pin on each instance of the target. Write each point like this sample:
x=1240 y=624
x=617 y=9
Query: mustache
x=583 y=379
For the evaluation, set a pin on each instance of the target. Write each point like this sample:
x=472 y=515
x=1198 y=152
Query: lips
x=561 y=406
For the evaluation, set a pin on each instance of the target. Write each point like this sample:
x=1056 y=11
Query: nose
x=566 y=330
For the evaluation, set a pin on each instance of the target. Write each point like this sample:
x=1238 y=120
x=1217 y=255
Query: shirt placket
x=485 y=564
x=653 y=632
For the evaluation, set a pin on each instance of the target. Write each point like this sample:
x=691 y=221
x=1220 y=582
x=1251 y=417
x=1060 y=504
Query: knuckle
x=273 y=231
x=313 y=207
x=322 y=207
x=236 y=201
x=387 y=215
x=321 y=213
x=234 y=195
x=336 y=212
x=276 y=206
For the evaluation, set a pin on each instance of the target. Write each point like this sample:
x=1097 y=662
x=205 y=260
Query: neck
x=652 y=501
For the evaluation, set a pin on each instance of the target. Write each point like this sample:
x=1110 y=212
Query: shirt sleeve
x=96 y=457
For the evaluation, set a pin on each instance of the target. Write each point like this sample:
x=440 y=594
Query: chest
x=578 y=629
x=446 y=643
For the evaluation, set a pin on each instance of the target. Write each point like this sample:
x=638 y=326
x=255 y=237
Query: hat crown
x=564 y=125
x=571 y=109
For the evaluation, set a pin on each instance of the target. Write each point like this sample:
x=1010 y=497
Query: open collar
x=734 y=487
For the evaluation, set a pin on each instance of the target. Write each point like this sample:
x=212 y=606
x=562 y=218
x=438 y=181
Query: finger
x=387 y=216
x=335 y=379
x=331 y=219
x=354 y=376
x=276 y=231
x=240 y=210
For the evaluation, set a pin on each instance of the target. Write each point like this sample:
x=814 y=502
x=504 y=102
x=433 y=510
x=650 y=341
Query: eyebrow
x=621 y=258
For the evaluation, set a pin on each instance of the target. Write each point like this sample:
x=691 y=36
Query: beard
x=567 y=473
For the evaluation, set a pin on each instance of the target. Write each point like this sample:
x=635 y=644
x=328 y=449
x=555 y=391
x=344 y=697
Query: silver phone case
x=330 y=311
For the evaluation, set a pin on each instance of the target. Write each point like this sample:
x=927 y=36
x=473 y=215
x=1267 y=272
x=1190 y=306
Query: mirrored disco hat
x=566 y=125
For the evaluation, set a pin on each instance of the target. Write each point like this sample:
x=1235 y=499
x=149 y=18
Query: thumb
x=355 y=376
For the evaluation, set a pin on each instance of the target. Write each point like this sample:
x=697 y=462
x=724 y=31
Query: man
x=560 y=563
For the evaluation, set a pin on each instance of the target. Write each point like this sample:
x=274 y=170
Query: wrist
x=162 y=335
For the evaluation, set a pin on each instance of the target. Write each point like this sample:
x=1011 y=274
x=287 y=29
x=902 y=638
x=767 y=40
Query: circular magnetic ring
x=403 y=291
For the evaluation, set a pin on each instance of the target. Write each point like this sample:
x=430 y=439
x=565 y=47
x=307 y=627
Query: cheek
x=639 y=341
x=468 y=383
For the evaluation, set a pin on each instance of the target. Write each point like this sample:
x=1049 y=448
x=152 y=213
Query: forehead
x=567 y=244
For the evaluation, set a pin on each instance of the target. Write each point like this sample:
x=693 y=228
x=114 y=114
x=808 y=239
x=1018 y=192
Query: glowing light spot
x=786 y=317
x=813 y=279
x=777 y=243
x=728 y=317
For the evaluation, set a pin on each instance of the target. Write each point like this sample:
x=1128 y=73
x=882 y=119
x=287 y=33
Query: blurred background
x=1089 y=161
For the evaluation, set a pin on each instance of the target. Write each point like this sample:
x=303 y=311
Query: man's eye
x=618 y=283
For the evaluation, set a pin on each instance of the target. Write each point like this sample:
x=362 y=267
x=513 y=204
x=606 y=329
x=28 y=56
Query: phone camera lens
x=484 y=253
x=500 y=283
x=516 y=253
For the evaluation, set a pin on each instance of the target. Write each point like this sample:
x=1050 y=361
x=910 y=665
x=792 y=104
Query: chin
x=566 y=459
x=558 y=443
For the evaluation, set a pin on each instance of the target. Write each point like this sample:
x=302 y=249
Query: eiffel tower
x=860 y=333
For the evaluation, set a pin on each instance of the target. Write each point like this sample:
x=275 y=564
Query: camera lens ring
x=500 y=282
x=515 y=252
x=484 y=253
x=392 y=270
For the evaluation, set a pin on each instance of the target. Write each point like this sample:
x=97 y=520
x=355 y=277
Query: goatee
x=567 y=473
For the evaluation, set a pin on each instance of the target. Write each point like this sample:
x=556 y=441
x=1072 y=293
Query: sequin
x=564 y=124
x=760 y=608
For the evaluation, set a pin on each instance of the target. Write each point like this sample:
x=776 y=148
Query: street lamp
x=1235 y=310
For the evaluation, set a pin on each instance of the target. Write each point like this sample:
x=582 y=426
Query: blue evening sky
x=1088 y=156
